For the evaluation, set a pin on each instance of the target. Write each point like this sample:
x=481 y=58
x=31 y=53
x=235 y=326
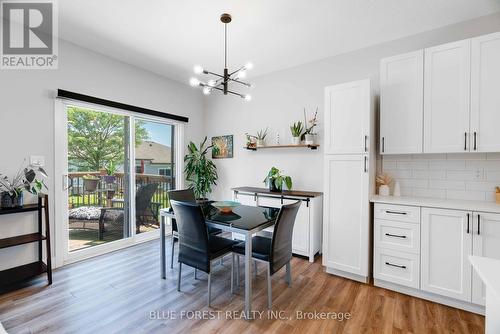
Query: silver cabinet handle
x=366 y=143
x=468 y=221
x=366 y=164
x=396 y=212
x=478 y=224
x=383 y=144
x=475 y=137
x=465 y=141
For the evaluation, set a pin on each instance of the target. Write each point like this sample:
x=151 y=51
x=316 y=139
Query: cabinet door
x=402 y=103
x=446 y=98
x=346 y=217
x=301 y=231
x=486 y=242
x=347 y=117
x=485 y=97
x=446 y=243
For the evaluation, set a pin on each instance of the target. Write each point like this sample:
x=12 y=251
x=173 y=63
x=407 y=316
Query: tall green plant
x=201 y=172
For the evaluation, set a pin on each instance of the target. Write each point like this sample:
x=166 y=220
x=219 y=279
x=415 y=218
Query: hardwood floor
x=117 y=292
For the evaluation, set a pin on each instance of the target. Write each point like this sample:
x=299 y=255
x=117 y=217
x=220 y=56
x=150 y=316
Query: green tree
x=95 y=139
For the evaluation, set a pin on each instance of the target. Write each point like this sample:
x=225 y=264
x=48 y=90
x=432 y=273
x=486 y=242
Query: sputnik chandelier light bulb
x=221 y=82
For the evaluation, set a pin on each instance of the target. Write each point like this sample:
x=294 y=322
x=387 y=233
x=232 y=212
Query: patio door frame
x=62 y=254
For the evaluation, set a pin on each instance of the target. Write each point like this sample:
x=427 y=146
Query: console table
x=307 y=236
x=26 y=271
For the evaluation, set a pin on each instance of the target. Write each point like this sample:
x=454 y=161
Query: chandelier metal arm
x=241 y=82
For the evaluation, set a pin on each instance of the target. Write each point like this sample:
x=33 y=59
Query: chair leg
x=209 y=288
x=289 y=273
x=179 y=278
x=232 y=273
x=195 y=273
x=172 y=254
x=254 y=269
x=237 y=270
x=269 y=288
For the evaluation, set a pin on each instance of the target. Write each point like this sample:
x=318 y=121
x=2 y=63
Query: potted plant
x=201 y=172
x=110 y=173
x=296 y=129
x=309 y=134
x=261 y=137
x=26 y=179
x=275 y=180
x=384 y=181
x=90 y=183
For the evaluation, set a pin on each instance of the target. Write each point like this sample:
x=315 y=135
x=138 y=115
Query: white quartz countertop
x=489 y=271
x=439 y=203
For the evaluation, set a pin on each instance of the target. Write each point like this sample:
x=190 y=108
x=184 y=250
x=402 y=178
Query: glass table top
x=242 y=217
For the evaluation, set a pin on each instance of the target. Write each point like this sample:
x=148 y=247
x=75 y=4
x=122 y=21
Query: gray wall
x=27 y=115
x=278 y=100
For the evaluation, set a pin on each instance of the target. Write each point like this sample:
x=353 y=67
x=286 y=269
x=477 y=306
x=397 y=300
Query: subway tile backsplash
x=467 y=176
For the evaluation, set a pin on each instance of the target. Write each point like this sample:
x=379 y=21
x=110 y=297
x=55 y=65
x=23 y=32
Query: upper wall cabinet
x=401 y=103
x=347 y=118
x=485 y=94
x=446 y=98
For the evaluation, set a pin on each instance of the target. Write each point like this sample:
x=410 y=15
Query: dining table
x=243 y=220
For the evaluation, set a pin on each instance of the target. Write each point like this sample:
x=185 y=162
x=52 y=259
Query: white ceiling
x=170 y=36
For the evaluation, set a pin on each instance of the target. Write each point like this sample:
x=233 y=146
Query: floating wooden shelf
x=312 y=147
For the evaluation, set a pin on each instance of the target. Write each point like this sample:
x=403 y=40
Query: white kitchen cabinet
x=446 y=243
x=485 y=97
x=346 y=214
x=347 y=118
x=447 y=97
x=401 y=103
x=486 y=242
x=306 y=240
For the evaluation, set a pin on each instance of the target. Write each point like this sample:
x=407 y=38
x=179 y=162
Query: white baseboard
x=354 y=277
x=431 y=296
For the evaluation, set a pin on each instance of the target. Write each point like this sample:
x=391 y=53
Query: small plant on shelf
x=30 y=179
x=275 y=180
x=308 y=135
x=296 y=129
x=256 y=140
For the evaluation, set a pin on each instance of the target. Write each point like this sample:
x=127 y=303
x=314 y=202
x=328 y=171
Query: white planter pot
x=261 y=142
x=384 y=190
x=309 y=139
x=295 y=140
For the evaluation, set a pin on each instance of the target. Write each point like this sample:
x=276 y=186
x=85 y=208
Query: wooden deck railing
x=105 y=191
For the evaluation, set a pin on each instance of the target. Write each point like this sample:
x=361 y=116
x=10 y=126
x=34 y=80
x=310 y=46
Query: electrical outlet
x=478 y=174
x=37 y=160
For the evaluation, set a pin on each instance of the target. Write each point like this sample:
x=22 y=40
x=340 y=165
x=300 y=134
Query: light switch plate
x=37 y=160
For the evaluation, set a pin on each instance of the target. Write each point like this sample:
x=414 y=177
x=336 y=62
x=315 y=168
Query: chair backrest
x=281 y=245
x=193 y=235
x=183 y=195
x=143 y=197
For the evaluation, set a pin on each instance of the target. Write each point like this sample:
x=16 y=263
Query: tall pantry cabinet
x=349 y=178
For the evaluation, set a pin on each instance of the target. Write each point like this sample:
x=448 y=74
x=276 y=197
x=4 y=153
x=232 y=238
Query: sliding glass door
x=98 y=160
x=116 y=169
x=154 y=171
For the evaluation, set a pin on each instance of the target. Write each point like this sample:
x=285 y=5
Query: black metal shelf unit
x=30 y=270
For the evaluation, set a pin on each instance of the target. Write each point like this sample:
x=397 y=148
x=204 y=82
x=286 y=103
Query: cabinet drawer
x=397 y=267
x=397 y=236
x=401 y=213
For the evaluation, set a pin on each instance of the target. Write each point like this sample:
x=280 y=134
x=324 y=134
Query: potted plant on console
x=275 y=180
x=296 y=129
x=26 y=179
x=201 y=172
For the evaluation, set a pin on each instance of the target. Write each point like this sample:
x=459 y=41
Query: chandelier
x=221 y=82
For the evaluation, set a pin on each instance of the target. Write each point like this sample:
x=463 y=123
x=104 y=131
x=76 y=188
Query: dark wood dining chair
x=275 y=251
x=197 y=248
x=184 y=195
